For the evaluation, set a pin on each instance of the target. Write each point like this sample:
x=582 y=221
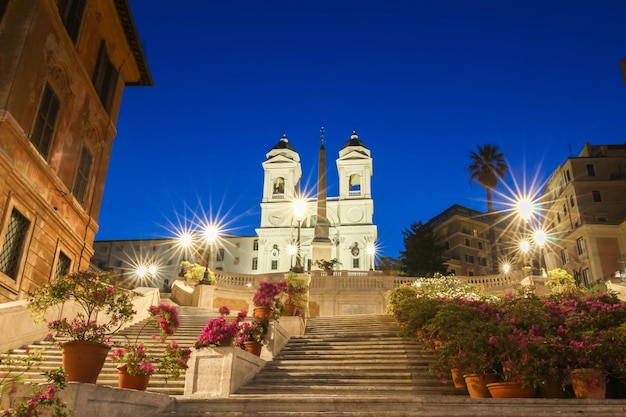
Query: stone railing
x=19 y=327
x=343 y=293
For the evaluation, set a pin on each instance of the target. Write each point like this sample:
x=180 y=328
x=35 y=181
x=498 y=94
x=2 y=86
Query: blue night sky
x=423 y=83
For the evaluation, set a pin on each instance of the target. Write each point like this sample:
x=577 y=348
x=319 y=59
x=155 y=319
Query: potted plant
x=464 y=347
x=194 y=273
x=252 y=334
x=327 y=266
x=592 y=341
x=295 y=300
x=136 y=365
x=220 y=332
x=102 y=310
x=266 y=298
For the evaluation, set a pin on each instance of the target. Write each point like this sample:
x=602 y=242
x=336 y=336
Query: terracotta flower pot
x=83 y=361
x=262 y=312
x=290 y=309
x=589 y=383
x=510 y=390
x=126 y=380
x=457 y=378
x=253 y=347
x=477 y=384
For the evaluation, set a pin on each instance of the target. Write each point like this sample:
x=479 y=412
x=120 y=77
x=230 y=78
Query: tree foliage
x=487 y=168
x=423 y=254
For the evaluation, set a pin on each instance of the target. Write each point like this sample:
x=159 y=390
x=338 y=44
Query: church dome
x=284 y=149
x=354 y=141
x=283 y=143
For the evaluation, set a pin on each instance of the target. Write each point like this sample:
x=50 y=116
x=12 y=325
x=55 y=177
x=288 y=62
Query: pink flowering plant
x=135 y=355
x=103 y=307
x=267 y=295
x=45 y=400
x=219 y=331
x=252 y=331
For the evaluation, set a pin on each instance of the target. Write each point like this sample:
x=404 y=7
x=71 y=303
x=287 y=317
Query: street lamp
x=525 y=208
x=371 y=250
x=541 y=237
x=147 y=273
x=291 y=250
x=210 y=234
x=185 y=241
x=524 y=246
x=299 y=207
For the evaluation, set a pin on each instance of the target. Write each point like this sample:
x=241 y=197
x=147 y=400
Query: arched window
x=279 y=186
x=355 y=184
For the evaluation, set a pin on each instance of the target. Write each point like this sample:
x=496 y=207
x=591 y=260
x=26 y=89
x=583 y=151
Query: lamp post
x=298 y=210
x=147 y=272
x=524 y=246
x=371 y=250
x=185 y=240
x=540 y=237
x=210 y=234
x=292 y=250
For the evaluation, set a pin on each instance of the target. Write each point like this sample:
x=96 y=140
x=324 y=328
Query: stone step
x=390 y=405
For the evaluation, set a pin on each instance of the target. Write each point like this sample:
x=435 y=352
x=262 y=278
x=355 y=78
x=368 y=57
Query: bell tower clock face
x=275 y=219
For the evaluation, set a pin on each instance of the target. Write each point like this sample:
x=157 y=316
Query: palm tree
x=487 y=167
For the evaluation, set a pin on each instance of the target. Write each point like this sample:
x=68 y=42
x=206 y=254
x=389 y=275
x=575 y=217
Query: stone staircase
x=351 y=355
x=192 y=322
x=341 y=367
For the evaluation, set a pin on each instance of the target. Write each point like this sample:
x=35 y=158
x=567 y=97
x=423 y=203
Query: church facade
x=338 y=227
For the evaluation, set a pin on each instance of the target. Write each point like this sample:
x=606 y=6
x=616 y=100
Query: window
x=355 y=263
x=354 y=183
x=591 y=170
x=564 y=256
x=470 y=273
x=105 y=78
x=580 y=244
x=469 y=259
x=480 y=245
x=586 y=278
x=482 y=261
x=564 y=208
x=3 y=7
x=596 y=196
x=219 y=257
x=255 y=244
x=467 y=242
x=274 y=265
x=44 y=124
x=255 y=264
x=63 y=265
x=82 y=175
x=71 y=12
x=571 y=201
x=568 y=178
x=558 y=218
x=279 y=187
x=13 y=245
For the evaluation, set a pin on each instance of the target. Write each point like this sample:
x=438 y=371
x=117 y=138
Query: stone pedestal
x=218 y=372
x=203 y=296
